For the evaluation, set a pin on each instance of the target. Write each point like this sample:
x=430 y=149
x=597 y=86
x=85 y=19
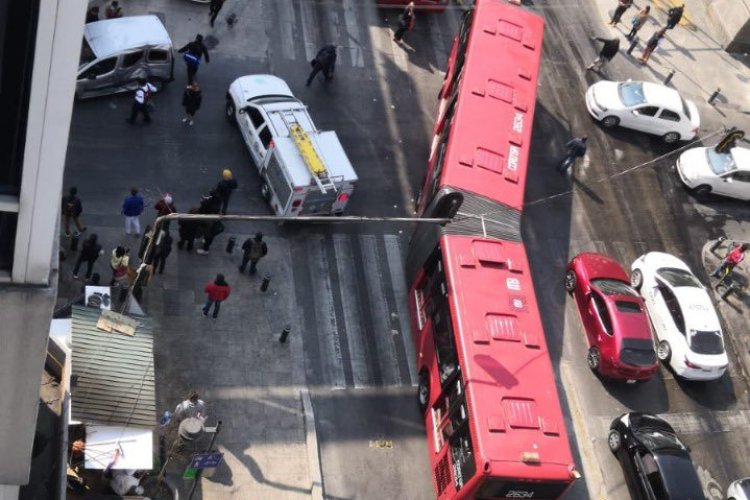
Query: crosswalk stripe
x=345 y=263
x=308 y=20
x=685 y=423
x=400 y=290
x=353 y=35
x=381 y=331
x=286 y=25
x=325 y=315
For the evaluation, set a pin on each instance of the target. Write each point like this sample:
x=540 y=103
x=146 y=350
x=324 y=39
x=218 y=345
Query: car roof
x=256 y=86
x=112 y=36
x=697 y=308
x=678 y=475
x=662 y=96
x=661 y=259
x=741 y=157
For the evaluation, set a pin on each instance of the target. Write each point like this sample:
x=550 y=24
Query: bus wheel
x=423 y=392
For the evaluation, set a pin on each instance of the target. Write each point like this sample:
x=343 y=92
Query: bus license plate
x=631 y=381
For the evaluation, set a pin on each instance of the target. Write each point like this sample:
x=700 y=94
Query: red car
x=614 y=318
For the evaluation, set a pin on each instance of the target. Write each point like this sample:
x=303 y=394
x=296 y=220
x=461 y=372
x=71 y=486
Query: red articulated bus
x=421 y=5
x=494 y=423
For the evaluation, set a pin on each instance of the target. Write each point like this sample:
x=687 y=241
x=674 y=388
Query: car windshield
x=87 y=54
x=720 y=163
x=678 y=277
x=659 y=439
x=637 y=352
x=706 y=342
x=613 y=287
x=631 y=93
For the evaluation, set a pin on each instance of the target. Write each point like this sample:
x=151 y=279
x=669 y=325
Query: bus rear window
x=502 y=489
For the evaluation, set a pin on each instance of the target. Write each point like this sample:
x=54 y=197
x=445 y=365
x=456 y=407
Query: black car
x=656 y=463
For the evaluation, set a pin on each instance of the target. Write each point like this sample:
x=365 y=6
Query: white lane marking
x=346 y=264
x=401 y=295
x=309 y=37
x=286 y=27
x=325 y=314
x=379 y=307
x=353 y=35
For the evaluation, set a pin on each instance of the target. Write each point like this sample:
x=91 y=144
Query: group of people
x=113 y=11
x=611 y=46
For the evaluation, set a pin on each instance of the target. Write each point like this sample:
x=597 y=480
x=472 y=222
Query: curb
x=313 y=454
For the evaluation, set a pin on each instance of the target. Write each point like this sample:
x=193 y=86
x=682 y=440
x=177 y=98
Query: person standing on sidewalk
x=325 y=61
x=132 y=208
x=622 y=6
x=253 y=249
x=119 y=262
x=162 y=249
x=188 y=230
x=609 y=50
x=92 y=15
x=210 y=231
x=731 y=259
x=651 y=44
x=192 y=53
x=405 y=22
x=191 y=101
x=141 y=101
x=639 y=20
x=165 y=205
x=674 y=15
x=213 y=10
x=217 y=292
x=72 y=209
x=90 y=251
x=576 y=149
x=113 y=10
x=224 y=189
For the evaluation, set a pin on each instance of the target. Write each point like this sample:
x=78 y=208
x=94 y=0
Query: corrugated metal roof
x=114 y=373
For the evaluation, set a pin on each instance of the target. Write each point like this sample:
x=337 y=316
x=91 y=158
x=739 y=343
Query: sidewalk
x=693 y=51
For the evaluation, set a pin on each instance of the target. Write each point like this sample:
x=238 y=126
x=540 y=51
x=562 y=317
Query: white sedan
x=644 y=106
x=705 y=171
x=688 y=332
x=739 y=490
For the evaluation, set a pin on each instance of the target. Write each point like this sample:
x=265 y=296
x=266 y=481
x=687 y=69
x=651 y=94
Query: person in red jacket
x=733 y=257
x=217 y=292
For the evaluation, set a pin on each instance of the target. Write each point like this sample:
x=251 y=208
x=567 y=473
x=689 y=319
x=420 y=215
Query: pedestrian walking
x=210 y=231
x=405 y=22
x=325 y=61
x=622 y=6
x=191 y=101
x=217 y=292
x=211 y=203
x=639 y=20
x=609 y=50
x=192 y=54
x=162 y=249
x=674 y=15
x=731 y=259
x=141 y=101
x=92 y=15
x=253 y=249
x=576 y=149
x=90 y=251
x=651 y=44
x=193 y=407
x=132 y=208
x=188 y=230
x=119 y=263
x=213 y=10
x=224 y=189
x=113 y=10
x=71 y=210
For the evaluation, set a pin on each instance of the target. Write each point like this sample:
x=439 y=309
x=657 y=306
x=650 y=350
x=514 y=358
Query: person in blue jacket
x=132 y=208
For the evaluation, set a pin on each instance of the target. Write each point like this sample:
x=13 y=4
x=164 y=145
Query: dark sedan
x=656 y=464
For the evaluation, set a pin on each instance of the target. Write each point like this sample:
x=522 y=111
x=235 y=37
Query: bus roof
x=504 y=359
x=490 y=138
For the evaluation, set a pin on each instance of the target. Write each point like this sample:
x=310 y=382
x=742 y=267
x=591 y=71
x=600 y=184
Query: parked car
x=739 y=490
x=687 y=328
x=614 y=318
x=705 y=171
x=644 y=106
x=115 y=53
x=655 y=462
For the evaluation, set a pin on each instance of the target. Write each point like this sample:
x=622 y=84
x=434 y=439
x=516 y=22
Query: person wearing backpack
x=90 y=251
x=253 y=249
x=71 y=209
x=191 y=54
x=141 y=101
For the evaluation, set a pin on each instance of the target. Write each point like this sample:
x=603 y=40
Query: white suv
x=688 y=332
x=644 y=106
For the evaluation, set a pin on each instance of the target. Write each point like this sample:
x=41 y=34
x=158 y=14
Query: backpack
x=258 y=250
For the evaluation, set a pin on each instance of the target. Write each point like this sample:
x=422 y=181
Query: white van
x=305 y=171
x=116 y=52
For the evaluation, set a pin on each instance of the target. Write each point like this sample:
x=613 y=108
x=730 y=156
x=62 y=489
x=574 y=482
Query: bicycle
x=726 y=274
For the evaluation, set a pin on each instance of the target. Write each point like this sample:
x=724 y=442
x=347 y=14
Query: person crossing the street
x=324 y=61
x=216 y=292
x=576 y=149
x=609 y=50
x=192 y=53
x=141 y=101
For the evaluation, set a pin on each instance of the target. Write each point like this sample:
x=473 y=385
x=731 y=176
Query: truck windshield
x=87 y=54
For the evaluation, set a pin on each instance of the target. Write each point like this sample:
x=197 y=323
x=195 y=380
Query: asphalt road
x=349 y=281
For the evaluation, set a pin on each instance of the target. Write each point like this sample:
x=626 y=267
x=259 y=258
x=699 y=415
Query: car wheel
x=594 y=358
x=614 y=441
x=636 y=279
x=265 y=191
x=423 y=392
x=671 y=137
x=702 y=190
x=610 y=121
x=663 y=351
x=570 y=281
x=231 y=112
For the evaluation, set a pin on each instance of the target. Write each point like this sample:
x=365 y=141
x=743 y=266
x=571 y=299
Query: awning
x=112 y=373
